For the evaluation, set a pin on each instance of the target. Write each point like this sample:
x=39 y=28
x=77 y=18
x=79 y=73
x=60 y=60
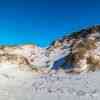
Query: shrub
x=93 y=63
x=90 y=44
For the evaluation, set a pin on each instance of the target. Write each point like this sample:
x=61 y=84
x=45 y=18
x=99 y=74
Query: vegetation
x=93 y=63
x=75 y=35
x=88 y=44
x=81 y=49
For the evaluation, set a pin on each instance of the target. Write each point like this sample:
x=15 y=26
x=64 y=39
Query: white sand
x=17 y=85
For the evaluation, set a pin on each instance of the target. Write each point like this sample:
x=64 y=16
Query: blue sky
x=42 y=21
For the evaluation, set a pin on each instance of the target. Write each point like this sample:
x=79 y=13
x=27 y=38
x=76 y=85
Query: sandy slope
x=18 y=85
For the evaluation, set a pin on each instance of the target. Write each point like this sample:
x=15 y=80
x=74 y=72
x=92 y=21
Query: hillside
x=80 y=51
x=29 y=72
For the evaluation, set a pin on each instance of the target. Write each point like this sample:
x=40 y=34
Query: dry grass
x=93 y=63
x=82 y=48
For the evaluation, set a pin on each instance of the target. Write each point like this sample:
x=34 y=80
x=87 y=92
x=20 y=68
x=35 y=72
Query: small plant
x=34 y=67
x=79 y=54
x=90 y=44
x=93 y=63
